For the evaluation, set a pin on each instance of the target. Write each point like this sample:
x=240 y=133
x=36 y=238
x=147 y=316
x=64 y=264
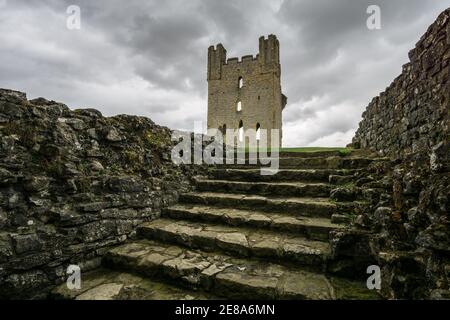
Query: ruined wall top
x=411 y=115
x=269 y=55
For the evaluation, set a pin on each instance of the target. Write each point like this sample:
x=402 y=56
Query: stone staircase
x=248 y=236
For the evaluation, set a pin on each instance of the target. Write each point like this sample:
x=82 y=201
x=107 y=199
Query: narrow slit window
x=240 y=82
x=241 y=131
x=258 y=131
x=239 y=106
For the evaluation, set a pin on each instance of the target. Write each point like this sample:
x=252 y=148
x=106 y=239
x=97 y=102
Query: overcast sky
x=149 y=57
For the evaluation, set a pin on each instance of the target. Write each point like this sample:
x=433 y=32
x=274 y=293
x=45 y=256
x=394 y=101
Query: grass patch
x=341 y=150
x=157 y=140
x=316 y=149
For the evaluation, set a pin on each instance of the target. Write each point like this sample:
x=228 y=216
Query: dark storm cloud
x=323 y=30
x=149 y=57
x=169 y=49
x=228 y=17
x=340 y=62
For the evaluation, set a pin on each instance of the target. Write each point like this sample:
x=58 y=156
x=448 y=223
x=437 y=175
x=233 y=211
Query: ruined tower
x=247 y=92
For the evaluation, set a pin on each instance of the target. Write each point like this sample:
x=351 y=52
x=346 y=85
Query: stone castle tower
x=246 y=93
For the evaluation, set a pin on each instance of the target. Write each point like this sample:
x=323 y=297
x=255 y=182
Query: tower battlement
x=268 y=57
x=243 y=59
x=269 y=50
x=216 y=59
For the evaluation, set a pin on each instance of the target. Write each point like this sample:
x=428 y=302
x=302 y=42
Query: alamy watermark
x=73 y=21
x=74 y=280
x=374 y=280
x=373 y=22
x=230 y=147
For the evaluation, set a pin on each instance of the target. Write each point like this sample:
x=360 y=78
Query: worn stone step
x=106 y=284
x=318 y=207
x=295 y=189
x=230 y=277
x=312 y=163
x=312 y=228
x=219 y=274
x=315 y=154
x=239 y=241
x=311 y=175
x=327 y=163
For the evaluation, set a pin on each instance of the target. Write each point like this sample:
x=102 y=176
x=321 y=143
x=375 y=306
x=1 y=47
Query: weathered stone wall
x=408 y=213
x=261 y=98
x=73 y=184
x=413 y=113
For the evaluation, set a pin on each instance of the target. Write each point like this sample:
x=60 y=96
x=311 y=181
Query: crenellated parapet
x=216 y=59
x=268 y=58
x=269 y=53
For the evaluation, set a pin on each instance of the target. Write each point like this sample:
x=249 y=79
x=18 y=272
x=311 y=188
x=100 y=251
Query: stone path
x=105 y=284
x=239 y=235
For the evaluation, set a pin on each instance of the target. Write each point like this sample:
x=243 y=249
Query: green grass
x=341 y=150
x=316 y=149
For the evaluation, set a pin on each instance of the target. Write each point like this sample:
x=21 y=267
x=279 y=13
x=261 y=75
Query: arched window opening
x=258 y=131
x=239 y=106
x=240 y=82
x=241 y=131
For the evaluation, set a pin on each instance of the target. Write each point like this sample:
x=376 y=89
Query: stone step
x=312 y=228
x=219 y=274
x=229 y=277
x=239 y=241
x=311 y=175
x=312 y=163
x=317 y=154
x=106 y=284
x=313 y=207
x=295 y=189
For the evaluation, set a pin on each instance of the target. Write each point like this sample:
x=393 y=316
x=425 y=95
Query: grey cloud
x=227 y=16
x=149 y=57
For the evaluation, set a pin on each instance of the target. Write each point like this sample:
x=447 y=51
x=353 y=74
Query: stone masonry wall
x=412 y=113
x=408 y=216
x=73 y=184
